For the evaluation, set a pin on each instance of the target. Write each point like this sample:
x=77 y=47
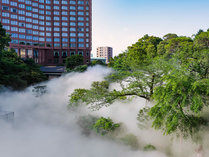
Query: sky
x=120 y=23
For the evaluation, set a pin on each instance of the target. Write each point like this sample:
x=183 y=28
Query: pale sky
x=120 y=23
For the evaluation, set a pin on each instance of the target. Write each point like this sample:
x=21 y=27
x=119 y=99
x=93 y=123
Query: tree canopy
x=15 y=72
x=172 y=72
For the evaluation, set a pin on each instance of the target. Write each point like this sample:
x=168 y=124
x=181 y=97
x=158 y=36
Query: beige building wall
x=105 y=52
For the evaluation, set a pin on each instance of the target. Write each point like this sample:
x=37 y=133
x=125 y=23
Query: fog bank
x=43 y=127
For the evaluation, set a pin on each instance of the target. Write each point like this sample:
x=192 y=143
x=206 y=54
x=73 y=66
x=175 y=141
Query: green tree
x=14 y=72
x=105 y=126
x=73 y=61
x=173 y=72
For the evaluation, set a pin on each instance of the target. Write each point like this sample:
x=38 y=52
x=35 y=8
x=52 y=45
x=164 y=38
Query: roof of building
x=53 y=69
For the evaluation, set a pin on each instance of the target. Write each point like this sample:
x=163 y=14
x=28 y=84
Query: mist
x=44 y=127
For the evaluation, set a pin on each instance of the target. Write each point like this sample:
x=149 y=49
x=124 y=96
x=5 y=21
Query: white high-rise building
x=105 y=52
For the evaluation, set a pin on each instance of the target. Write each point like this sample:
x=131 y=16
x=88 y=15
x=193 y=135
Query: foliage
x=131 y=140
x=15 y=72
x=173 y=72
x=4 y=39
x=86 y=123
x=80 y=68
x=179 y=102
x=149 y=147
x=97 y=62
x=74 y=61
x=105 y=126
x=39 y=90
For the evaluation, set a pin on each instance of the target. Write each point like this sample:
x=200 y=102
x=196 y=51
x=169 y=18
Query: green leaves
x=104 y=126
x=179 y=102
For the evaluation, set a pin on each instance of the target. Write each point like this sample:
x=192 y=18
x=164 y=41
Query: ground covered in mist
x=44 y=127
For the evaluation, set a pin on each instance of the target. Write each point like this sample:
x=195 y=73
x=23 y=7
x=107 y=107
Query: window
x=41 y=6
x=35 y=32
x=56 y=1
x=56 y=34
x=72 y=29
x=56 y=18
x=56 y=23
x=28 y=14
x=28 y=20
x=72 y=2
x=80 y=13
x=14 y=23
x=80 y=29
x=56 y=7
x=64 y=18
x=41 y=22
x=35 y=38
x=72 y=39
x=21 y=36
x=28 y=8
x=64 y=8
x=56 y=45
x=14 y=35
x=29 y=37
x=48 y=18
x=29 y=26
x=64 y=29
x=64 y=13
x=13 y=10
x=72 y=34
x=65 y=45
x=41 y=11
x=72 y=13
x=14 y=16
x=72 y=18
x=4 y=14
x=64 y=23
x=29 y=31
x=56 y=13
x=35 y=15
x=21 y=24
x=80 y=24
x=72 y=45
x=41 y=17
x=80 y=8
x=80 y=39
x=72 y=24
x=56 y=39
x=72 y=53
x=80 y=45
x=64 y=34
x=5 y=8
x=48 y=12
x=80 y=2
x=64 y=2
x=72 y=8
x=48 y=39
x=80 y=53
x=64 y=39
x=41 y=28
x=48 y=28
x=13 y=3
x=14 y=29
x=21 y=5
x=21 y=30
x=6 y=27
x=80 y=34
x=5 y=1
x=48 y=7
x=56 y=29
x=28 y=2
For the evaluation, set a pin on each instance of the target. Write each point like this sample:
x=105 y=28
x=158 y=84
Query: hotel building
x=105 y=52
x=48 y=30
